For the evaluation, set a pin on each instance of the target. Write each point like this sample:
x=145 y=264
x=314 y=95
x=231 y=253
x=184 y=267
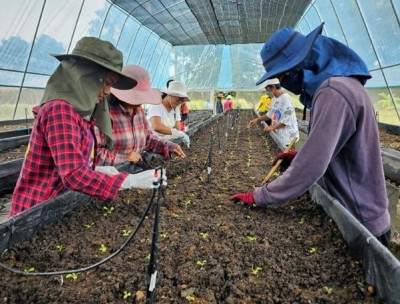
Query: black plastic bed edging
x=13 y=142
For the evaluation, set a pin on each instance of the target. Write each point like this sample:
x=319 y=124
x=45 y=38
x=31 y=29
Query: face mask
x=293 y=81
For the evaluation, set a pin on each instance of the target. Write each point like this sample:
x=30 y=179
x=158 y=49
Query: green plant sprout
x=72 y=276
x=30 y=269
x=201 y=178
x=148 y=257
x=312 y=250
x=301 y=221
x=249 y=218
x=175 y=215
x=60 y=247
x=190 y=298
x=204 y=235
x=89 y=225
x=127 y=294
x=103 y=248
x=187 y=203
x=328 y=290
x=256 y=270
x=108 y=210
x=251 y=238
x=201 y=263
x=164 y=235
x=126 y=232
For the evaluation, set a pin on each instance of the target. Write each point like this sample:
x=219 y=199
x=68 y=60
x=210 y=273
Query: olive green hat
x=104 y=54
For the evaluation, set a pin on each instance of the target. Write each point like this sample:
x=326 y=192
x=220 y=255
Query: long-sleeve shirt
x=60 y=157
x=131 y=133
x=342 y=153
x=219 y=107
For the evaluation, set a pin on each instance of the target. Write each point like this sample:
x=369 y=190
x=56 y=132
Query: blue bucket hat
x=285 y=49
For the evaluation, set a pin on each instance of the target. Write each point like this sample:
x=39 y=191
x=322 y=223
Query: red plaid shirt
x=59 y=158
x=130 y=134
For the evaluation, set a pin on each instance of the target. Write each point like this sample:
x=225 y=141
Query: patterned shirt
x=130 y=134
x=59 y=157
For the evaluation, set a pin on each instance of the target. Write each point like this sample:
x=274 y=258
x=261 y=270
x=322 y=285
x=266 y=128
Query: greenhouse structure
x=212 y=47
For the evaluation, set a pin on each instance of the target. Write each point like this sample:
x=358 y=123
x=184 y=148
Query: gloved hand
x=246 y=198
x=177 y=134
x=286 y=157
x=143 y=180
x=186 y=140
x=109 y=170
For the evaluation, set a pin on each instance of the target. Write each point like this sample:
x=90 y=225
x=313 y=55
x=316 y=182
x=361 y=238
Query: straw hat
x=176 y=88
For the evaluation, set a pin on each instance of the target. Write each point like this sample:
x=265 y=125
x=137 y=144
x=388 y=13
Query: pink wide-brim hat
x=142 y=93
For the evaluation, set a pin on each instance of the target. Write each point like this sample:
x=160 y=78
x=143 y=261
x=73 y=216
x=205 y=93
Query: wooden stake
x=272 y=171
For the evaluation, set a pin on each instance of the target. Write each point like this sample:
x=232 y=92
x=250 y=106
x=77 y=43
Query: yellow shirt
x=265 y=104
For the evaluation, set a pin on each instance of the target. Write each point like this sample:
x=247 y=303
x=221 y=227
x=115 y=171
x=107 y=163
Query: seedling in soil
x=126 y=232
x=204 y=235
x=256 y=270
x=108 y=210
x=59 y=247
x=328 y=290
x=201 y=263
x=148 y=257
x=89 y=225
x=312 y=250
x=249 y=218
x=190 y=298
x=30 y=269
x=175 y=215
x=127 y=294
x=301 y=221
x=187 y=203
x=72 y=276
x=164 y=235
x=103 y=248
x=251 y=238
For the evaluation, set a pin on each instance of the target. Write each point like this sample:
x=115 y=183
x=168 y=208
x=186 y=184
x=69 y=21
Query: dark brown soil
x=210 y=249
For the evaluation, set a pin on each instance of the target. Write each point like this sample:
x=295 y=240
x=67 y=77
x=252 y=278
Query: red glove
x=286 y=157
x=246 y=198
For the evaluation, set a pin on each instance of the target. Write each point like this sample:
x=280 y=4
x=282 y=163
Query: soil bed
x=210 y=250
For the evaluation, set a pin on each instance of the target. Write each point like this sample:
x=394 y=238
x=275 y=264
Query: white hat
x=269 y=82
x=176 y=88
x=142 y=92
x=229 y=97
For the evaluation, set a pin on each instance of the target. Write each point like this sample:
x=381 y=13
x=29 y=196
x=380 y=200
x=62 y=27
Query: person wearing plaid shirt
x=131 y=130
x=60 y=153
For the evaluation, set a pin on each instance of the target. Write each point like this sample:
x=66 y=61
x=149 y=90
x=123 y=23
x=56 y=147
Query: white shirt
x=167 y=118
x=282 y=110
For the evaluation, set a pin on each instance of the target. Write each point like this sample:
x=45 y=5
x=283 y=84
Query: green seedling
x=328 y=290
x=108 y=210
x=164 y=235
x=127 y=294
x=187 y=203
x=148 y=257
x=146 y=217
x=312 y=250
x=249 y=218
x=256 y=270
x=72 y=276
x=251 y=238
x=30 y=269
x=301 y=221
x=126 y=232
x=175 y=215
x=201 y=263
x=89 y=225
x=103 y=248
x=190 y=298
x=204 y=235
x=201 y=178
x=59 y=247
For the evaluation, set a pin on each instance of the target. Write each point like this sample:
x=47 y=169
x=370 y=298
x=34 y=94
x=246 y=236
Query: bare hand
x=178 y=151
x=134 y=157
x=252 y=122
x=268 y=129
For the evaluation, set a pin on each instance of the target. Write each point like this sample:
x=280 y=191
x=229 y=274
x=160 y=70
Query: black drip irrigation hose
x=126 y=243
x=152 y=267
x=209 y=160
x=219 y=139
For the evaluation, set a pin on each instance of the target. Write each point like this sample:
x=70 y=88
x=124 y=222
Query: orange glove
x=246 y=197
